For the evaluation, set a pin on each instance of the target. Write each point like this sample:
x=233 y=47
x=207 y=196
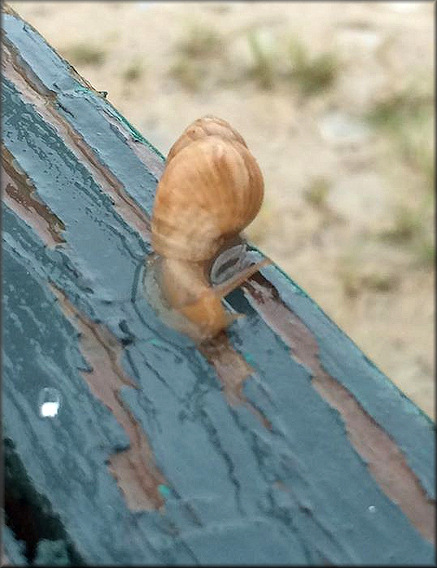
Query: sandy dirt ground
x=335 y=100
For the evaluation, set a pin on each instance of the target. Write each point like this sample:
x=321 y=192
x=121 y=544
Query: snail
x=210 y=190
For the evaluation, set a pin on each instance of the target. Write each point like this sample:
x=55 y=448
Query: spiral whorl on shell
x=211 y=189
x=203 y=127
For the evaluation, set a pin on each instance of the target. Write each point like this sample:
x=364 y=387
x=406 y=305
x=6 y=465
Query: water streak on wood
x=44 y=102
x=19 y=195
x=384 y=459
x=134 y=469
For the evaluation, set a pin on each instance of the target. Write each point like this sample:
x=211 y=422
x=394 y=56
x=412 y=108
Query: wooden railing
x=124 y=443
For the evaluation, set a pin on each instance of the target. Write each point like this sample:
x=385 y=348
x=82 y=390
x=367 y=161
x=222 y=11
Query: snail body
x=211 y=189
x=188 y=290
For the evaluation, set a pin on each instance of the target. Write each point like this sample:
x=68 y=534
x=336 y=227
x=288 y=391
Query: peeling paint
x=134 y=469
x=20 y=195
x=44 y=102
x=7 y=9
x=384 y=459
x=232 y=370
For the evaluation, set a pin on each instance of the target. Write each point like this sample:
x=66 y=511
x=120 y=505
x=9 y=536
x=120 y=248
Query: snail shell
x=210 y=191
x=201 y=128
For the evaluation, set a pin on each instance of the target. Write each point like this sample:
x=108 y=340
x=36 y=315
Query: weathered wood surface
x=281 y=445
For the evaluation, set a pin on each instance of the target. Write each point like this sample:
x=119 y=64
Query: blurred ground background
x=336 y=102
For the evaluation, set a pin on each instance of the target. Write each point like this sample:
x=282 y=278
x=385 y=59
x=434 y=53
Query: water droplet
x=49 y=402
x=372 y=509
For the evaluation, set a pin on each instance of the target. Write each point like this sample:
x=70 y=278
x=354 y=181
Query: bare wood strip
x=134 y=469
x=20 y=196
x=384 y=459
x=44 y=102
x=232 y=370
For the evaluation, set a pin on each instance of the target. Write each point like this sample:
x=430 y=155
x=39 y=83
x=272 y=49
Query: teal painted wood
x=299 y=488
